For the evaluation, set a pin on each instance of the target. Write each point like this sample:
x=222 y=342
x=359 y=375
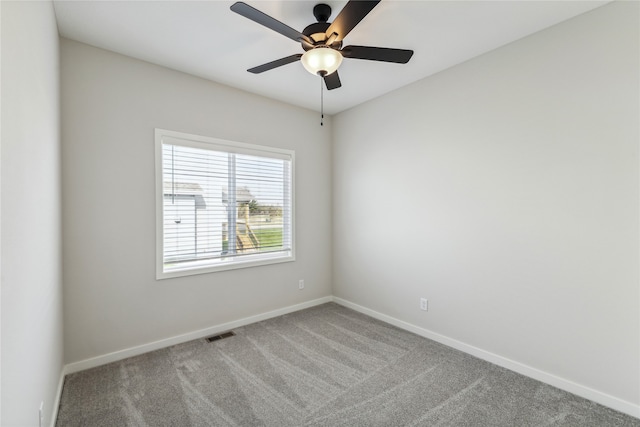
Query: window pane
x=194 y=213
x=260 y=180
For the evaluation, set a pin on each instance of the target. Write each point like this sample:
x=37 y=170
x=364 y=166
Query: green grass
x=269 y=238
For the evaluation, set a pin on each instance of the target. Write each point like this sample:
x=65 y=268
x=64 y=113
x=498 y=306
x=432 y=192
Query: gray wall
x=505 y=190
x=30 y=236
x=110 y=107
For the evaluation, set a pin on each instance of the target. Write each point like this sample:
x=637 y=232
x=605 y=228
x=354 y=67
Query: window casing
x=221 y=205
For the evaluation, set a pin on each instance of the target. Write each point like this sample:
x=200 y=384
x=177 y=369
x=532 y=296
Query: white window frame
x=209 y=143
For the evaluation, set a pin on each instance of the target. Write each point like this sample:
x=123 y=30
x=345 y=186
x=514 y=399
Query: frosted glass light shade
x=321 y=60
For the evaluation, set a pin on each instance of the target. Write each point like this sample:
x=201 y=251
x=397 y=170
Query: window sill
x=207 y=266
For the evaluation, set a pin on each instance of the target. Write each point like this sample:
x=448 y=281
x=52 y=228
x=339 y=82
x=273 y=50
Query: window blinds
x=223 y=204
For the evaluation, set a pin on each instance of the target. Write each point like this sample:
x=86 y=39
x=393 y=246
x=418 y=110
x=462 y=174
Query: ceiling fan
x=322 y=41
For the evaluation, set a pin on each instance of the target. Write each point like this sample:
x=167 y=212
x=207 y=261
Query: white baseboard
x=167 y=342
x=561 y=383
x=56 y=402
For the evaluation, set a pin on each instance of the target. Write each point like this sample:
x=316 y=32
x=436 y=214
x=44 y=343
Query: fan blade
x=263 y=19
x=353 y=12
x=385 y=54
x=332 y=81
x=274 y=64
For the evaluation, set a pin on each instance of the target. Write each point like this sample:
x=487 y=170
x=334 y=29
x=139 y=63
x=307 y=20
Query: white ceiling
x=207 y=39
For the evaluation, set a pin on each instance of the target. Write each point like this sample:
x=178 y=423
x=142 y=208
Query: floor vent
x=220 y=336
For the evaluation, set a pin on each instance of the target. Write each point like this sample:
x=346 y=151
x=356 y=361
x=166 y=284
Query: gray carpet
x=324 y=366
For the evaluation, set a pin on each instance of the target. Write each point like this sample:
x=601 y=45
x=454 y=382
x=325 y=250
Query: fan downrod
x=322 y=12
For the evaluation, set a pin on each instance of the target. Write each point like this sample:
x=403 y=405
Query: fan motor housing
x=316 y=32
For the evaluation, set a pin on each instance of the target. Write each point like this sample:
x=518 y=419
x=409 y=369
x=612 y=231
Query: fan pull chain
x=321 y=102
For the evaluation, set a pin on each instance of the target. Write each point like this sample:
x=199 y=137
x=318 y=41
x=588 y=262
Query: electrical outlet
x=40 y=414
x=301 y=284
x=424 y=304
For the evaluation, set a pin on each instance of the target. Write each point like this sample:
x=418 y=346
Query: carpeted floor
x=324 y=366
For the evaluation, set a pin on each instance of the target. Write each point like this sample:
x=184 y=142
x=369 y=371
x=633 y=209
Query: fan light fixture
x=321 y=60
